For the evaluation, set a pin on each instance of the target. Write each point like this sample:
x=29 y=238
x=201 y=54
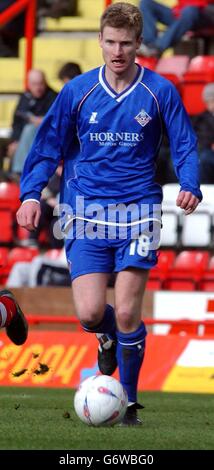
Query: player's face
x=119 y=48
x=37 y=86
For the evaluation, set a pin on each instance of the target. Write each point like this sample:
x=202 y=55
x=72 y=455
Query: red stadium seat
x=21 y=254
x=201 y=64
x=165 y=261
x=7 y=220
x=159 y=272
x=207 y=286
x=207 y=281
x=9 y=203
x=191 y=92
x=9 y=196
x=177 y=65
x=179 y=285
x=4 y=270
x=191 y=261
x=199 y=73
x=154 y=284
x=3 y=256
x=173 y=68
x=187 y=270
x=149 y=62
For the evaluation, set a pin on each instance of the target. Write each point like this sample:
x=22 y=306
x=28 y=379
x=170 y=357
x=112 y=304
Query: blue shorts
x=87 y=255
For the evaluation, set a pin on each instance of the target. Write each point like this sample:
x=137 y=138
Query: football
x=100 y=400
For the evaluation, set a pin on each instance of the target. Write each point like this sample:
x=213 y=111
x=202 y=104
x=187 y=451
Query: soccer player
x=107 y=126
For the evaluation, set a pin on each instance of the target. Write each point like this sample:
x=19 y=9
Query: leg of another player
x=12 y=318
x=129 y=290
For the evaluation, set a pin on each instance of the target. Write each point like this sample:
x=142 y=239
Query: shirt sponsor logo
x=130 y=139
x=143 y=118
x=93 y=118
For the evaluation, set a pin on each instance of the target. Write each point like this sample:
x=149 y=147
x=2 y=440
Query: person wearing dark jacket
x=32 y=106
x=203 y=124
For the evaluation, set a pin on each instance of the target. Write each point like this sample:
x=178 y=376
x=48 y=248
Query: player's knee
x=90 y=317
x=124 y=318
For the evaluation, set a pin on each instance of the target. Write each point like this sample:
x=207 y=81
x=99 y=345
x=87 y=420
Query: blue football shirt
x=109 y=142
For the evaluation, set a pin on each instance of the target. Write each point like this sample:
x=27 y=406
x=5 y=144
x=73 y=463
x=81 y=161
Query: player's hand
x=28 y=215
x=187 y=201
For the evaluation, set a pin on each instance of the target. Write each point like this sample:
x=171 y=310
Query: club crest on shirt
x=143 y=118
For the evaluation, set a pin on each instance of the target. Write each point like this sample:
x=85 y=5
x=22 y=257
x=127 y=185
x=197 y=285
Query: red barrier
x=197 y=326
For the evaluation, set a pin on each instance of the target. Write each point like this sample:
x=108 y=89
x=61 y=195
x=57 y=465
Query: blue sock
x=130 y=354
x=107 y=325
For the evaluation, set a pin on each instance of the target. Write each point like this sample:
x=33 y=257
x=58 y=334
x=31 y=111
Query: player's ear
x=100 y=37
x=139 y=41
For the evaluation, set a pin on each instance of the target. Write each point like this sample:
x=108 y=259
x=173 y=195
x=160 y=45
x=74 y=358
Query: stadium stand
x=7 y=107
x=194 y=231
x=170 y=233
x=149 y=62
x=4 y=271
x=187 y=270
x=9 y=203
x=203 y=39
x=206 y=283
x=199 y=73
x=159 y=273
x=89 y=12
x=197 y=229
x=173 y=68
x=21 y=254
x=208 y=194
x=170 y=192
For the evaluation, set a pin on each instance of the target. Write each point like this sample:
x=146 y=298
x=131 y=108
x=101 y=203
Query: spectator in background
x=32 y=107
x=68 y=71
x=187 y=15
x=204 y=126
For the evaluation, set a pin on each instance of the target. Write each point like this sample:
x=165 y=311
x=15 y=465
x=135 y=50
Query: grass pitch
x=35 y=418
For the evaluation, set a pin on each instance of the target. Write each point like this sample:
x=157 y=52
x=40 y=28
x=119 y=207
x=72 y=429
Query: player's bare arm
x=28 y=215
x=187 y=201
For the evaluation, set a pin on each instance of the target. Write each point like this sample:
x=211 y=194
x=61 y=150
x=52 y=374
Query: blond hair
x=122 y=15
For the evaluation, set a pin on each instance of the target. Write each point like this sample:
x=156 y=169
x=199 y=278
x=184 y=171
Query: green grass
x=32 y=418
